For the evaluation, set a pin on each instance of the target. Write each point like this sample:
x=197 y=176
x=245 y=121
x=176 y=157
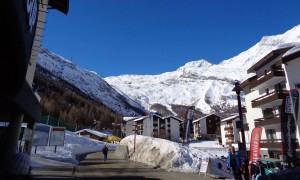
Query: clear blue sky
x=115 y=37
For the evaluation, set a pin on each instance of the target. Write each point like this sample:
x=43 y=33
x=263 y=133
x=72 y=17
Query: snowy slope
x=200 y=83
x=172 y=156
x=89 y=82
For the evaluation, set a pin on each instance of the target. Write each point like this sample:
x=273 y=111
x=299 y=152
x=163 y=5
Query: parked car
x=272 y=165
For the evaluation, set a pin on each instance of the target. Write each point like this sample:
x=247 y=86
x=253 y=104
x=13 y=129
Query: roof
x=141 y=118
x=199 y=119
x=129 y=118
x=291 y=54
x=60 y=5
x=230 y=118
x=268 y=58
x=176 y=118
x=247 y=81
x=96 y=133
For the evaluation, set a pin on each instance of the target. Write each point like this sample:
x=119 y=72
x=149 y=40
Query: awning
x=60 y=5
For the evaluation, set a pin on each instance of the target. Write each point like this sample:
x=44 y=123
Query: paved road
x=93 y=167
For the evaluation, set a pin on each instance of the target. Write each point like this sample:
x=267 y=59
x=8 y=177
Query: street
x=93 y=167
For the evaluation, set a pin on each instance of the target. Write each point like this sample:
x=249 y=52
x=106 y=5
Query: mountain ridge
x=200 y=83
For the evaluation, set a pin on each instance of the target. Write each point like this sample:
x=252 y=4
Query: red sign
x=255 y=143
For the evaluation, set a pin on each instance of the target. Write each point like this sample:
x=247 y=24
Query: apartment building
x=274 y=75
x=207 y=127
x=231 y=135
x=155 y=126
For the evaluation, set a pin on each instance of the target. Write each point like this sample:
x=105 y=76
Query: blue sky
x=115 y=37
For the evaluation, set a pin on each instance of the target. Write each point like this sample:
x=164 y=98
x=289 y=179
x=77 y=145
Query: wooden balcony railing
x=274 y=143
x=267 y=121
x=268 y=98
x=229 y=135
x=228 y=128
x=266 y=77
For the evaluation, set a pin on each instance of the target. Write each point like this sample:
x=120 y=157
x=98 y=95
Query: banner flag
x=289 y=113
x=255 y=143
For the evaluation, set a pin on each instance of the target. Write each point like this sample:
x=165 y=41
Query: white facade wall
x=129 y=128
x=222 y=124
x=148 y=127
x=174 y=129
x=292 y=74
x=252 y=113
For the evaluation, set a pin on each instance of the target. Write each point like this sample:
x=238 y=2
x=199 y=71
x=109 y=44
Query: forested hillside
x=64 y=101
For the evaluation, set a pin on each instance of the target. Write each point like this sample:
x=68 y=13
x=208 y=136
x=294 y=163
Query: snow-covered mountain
x=200 y=83
x=89 y=83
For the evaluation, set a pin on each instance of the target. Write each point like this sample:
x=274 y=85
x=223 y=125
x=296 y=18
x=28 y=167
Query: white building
x=274 y=75
x=154 y=126
x=229 y=132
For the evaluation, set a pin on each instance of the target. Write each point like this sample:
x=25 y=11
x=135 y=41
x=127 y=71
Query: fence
x=49 y=120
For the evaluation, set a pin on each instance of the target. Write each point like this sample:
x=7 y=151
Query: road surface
x=93 y=167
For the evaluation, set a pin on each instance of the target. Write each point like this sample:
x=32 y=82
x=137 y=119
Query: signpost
x=57 y=137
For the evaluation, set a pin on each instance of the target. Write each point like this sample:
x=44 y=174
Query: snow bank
x=172 y=156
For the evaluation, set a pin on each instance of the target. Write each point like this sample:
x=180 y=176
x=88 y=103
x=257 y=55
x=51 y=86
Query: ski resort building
x=154 y=126
x=207 y=127
x=274 y=75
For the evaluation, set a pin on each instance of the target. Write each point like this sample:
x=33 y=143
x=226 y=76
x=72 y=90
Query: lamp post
x=238 y=90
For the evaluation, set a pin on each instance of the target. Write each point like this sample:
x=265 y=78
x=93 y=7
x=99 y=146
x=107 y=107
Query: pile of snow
x=74 y=145
x=172 y=156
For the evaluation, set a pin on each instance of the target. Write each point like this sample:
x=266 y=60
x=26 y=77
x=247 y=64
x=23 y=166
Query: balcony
x=228 y=128
x=271 y=143
x=267 y=121
x=271 y=77
x=268 y=98
x=229 y=135
x=274 y=143
x=229 y=142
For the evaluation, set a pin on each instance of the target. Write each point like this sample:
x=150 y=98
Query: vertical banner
x=289 y=117
x=255 y=143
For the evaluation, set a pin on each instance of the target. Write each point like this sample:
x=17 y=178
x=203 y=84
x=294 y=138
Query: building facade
x=274 y=75
x=207 y=127
x=155 y=126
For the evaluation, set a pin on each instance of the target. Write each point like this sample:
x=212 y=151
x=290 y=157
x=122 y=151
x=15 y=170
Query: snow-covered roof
x=129 y=118
x=96 y=133
x=230 y=118
x=200 y=119
x=141 y=118
x=291 y=54
x=176 y=118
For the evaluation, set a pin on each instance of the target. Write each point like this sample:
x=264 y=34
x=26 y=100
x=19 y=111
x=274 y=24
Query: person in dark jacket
x=234 y=163
x=104 y=151
x=260 y=171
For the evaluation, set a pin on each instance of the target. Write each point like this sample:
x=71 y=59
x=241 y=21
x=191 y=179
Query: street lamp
x=240 y=125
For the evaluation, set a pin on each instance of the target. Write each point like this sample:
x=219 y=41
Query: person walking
x=104 y=151
x=234 y=163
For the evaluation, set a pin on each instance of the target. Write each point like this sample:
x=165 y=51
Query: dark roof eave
x=60 y=5
x=269 y=57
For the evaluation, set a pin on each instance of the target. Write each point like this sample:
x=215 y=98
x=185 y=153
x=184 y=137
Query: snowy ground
x=152 y=151
x=74 y=145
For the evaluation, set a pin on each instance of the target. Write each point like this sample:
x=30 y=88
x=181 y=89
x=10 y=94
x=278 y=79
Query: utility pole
x=240 y=125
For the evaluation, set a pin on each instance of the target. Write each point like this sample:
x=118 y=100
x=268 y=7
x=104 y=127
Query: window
x=271 y=134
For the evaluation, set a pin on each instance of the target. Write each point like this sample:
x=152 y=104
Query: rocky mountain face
x=200 y=83
x=86 y=82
